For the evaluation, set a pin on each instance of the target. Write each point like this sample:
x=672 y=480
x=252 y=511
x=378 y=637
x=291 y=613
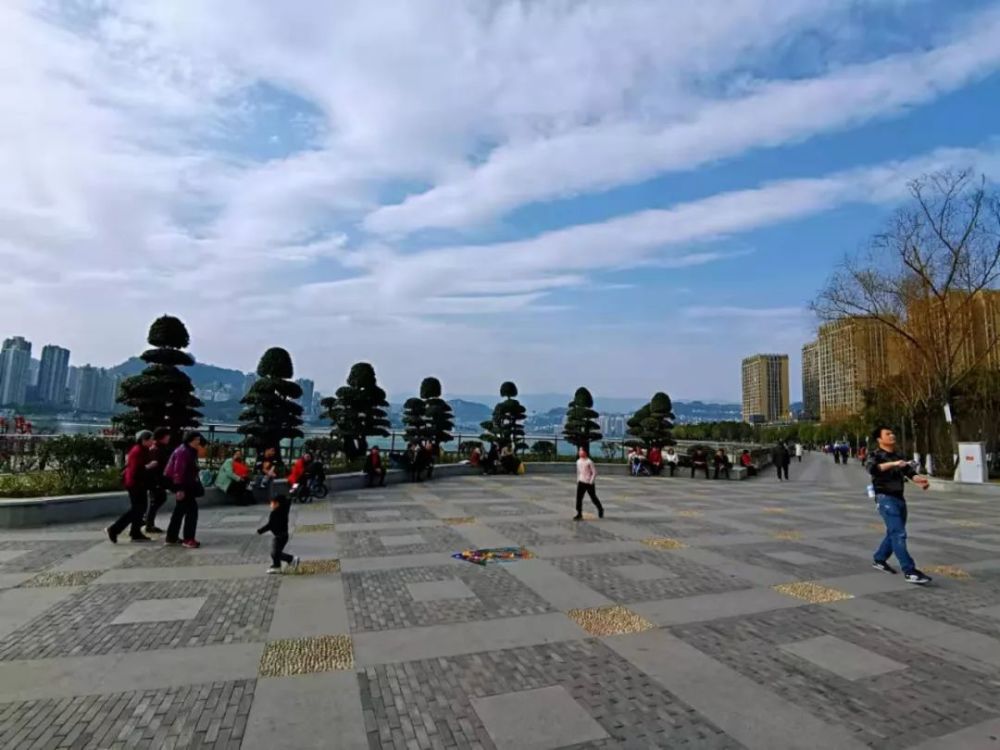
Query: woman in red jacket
x=138 y=465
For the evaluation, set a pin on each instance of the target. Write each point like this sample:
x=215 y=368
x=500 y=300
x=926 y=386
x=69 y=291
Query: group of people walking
x=152 y=469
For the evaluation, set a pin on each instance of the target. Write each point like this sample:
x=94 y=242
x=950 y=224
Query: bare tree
x=926 y=278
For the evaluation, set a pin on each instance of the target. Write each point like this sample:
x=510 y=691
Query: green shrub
x=75 y=457
x=53 y=483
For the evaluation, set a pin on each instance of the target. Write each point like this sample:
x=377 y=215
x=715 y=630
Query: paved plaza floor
x=697 y=614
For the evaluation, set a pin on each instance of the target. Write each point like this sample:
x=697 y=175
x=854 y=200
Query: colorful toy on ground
x=493 y=555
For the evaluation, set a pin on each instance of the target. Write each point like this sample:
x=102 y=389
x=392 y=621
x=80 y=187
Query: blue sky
x=630 y=196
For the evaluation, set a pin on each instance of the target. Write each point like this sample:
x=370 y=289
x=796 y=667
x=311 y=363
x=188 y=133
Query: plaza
x=697 y=614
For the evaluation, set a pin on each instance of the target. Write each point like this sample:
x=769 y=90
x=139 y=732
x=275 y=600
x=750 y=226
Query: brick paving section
x=379 y=600
x=956 y=604
x=929 y=698
x=212 y=715
x=552 y=532
x=217 y=549
x=426 y=704
x=40 y=555
x=828 y=565
x=691 y=578
x=370 y=543
x=235 y=611
x=363 y=515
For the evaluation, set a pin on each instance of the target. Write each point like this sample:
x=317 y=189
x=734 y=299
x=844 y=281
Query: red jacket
x=135 y=467
x=298 y=470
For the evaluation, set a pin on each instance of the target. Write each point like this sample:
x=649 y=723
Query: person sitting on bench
x=374 y=468
x=699 y=462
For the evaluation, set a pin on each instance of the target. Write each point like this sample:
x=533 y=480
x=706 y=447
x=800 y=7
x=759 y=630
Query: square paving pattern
x=730 y=633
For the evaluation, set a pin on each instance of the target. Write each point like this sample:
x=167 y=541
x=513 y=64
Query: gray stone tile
x=842 y=658
x=993 y=612
x=795 y=558
x=401 y=540
x=382 y=515
x=160 y=610
x=642 y=572
x=539 y=719
x=432 y=591
x=6 y=555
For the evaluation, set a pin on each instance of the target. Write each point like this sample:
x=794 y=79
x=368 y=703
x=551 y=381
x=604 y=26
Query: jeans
x=582 y=488
x=133 y=516
x=278 y=554
x=184 y=510
x=893 y=512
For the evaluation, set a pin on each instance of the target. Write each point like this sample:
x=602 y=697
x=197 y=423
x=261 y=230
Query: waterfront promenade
x=697 y=614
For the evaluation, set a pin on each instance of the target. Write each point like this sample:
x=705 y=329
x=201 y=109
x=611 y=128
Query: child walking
x=277 y=524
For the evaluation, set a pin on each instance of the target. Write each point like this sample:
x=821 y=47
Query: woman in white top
x=586 y=474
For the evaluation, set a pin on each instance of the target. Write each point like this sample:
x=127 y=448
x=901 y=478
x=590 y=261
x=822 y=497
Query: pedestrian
x=586 y=474
x=297 y=484
x=374 y=468
x=160 y=452
x=889 y=472
x=798 y=451
x=699 y=462
x=182 y=472
x=138 y=465
x=232 y=478
x=722 y=463
x=781 y=458
x=277 y=524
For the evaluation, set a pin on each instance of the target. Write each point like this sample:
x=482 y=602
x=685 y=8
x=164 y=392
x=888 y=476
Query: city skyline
x=564 y=207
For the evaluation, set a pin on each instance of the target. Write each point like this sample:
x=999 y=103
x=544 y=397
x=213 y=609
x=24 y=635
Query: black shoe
x=153 y=530
x=578 y=517
x=918 y=578
x=884 y=567
x=600 y=512
x=112 y=535
x=140 y=538
x=171 y=542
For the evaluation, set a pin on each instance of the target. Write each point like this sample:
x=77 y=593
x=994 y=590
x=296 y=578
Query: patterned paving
x=757 y=601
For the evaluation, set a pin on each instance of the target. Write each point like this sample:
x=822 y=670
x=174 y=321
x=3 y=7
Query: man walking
x=889 y=472
x=781 y=458
x=182 y=471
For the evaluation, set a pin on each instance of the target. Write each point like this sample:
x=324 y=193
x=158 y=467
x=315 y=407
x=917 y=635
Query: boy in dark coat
x=277 y=524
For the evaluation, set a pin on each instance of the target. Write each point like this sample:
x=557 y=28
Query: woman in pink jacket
x=586 y=474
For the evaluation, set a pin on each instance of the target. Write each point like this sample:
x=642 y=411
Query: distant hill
x=201 y=375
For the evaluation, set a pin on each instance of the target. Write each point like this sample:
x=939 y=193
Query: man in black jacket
x=277 y=524
x=889 y=471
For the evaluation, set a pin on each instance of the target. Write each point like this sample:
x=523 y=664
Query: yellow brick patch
x=811 y=592
x=948 y=571
x=459 y=520
x=314 y=528
x=787 y=535
x=614 y=620
x=663 y=542
x=773 y=509
x=968 y=524
x=326 y=653
x=690 y=513
x=315 y=567
x=68 y=578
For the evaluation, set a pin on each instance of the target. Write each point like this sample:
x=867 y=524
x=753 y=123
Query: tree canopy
x=438 y=412
x=272 y=412
x=357 y=411
x=506 y=425
x=653 y=423
x=162 y=395
x=581 y=428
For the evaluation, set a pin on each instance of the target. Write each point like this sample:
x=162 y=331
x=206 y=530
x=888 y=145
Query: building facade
x=96 y=390
x=810 y=381
x=854 y=354
x=765 y=388
x=53 y=370
x=308 y=389
x=15 y=363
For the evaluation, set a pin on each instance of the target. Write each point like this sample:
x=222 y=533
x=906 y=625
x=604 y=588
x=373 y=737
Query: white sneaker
x=295 y=562
x=272 y=571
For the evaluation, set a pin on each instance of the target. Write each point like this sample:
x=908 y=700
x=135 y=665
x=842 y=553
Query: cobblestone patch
x=954 y=604
x=236 y=611
x=427 y=704
x=361 y=515
x=314 y=528
x=217 y=549
x=380 y=600
x=663 y=542
x=38 y=555
x=326 y=653
x=604 y=621
x=210 y=715
x=68 y=578
x=552 y=532
x=314 y=567
x=828 y=565
x=811 y=592
x=940 y=697
x=373 y=543
x=689 y=578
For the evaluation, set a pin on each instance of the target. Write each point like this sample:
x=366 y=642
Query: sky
x=628 y=195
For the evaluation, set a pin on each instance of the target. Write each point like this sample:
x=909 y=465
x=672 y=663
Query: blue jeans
x=893 y=512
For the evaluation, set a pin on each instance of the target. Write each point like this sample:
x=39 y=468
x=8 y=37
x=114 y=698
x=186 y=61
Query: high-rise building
x=15 y=362
x=765 y=388
x=96 y=390
x=308 y=388
x=810 y=380
x=52 y=373
x=974 y=321
x=855 y=354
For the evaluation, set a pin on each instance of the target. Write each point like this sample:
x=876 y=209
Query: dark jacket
x=889 y=482
x=277 y=522
x=182 y=469
x=780 y=455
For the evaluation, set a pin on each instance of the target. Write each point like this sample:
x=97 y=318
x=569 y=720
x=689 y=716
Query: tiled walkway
x=697 y=614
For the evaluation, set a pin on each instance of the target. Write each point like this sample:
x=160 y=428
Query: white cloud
x=626 y=150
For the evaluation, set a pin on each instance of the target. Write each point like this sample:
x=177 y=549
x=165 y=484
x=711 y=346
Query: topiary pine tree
x=581 y=428
x=440 y=418
x=415 y=421
x=162 y=395
x=272 y=414
x=358 y=411
x=652 y=424
x=506 y=426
